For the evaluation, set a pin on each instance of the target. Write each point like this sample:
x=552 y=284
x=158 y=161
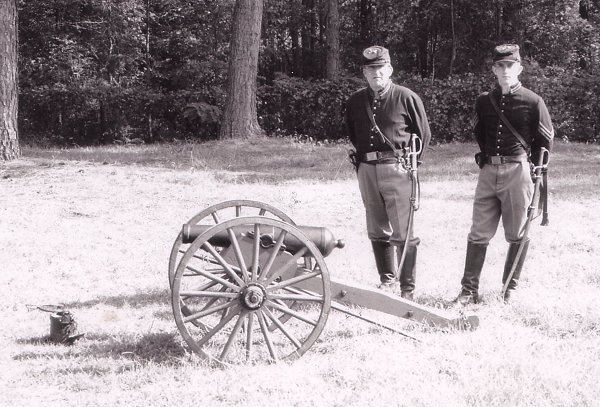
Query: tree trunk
x=365 y=12
x=307 y=39
x=453 y=41
x=240 y=118
x=332 y=40
x=9 y=141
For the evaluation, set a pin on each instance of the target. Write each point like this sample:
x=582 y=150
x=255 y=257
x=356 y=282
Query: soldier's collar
x=381 y=93
x=513 y=89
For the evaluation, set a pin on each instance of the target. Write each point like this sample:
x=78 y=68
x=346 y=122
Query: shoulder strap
x=375 y=126
x=506 y=122
x=369 y=110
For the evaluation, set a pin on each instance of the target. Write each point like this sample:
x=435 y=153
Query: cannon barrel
x=320 y=236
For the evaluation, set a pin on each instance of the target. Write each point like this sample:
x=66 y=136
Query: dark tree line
x=103 y=71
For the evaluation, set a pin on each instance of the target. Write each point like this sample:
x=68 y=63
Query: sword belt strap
x=504 y=159
x=378 y=156
x=374 y=124
x=507 y=123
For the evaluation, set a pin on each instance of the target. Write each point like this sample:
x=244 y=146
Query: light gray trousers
x=503 y=191
x=385 y=190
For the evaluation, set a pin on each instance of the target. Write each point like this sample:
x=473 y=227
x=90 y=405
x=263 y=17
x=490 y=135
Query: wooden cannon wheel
x=233 y=304
x=219 y=213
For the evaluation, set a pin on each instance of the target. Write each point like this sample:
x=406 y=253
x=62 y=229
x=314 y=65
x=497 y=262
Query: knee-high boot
x=510 y=260
x=470 y=280
x=384 y=260
x=408 y=272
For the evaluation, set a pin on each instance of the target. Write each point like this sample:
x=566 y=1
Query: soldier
x=504 y=188
x=380 y=120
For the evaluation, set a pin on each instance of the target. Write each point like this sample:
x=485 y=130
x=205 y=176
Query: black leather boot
x=470 y=281
x=408 y=271
x=384 y=259
x=510 y=260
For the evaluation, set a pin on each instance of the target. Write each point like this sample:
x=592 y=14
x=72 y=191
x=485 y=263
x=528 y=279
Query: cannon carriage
x=248 y=284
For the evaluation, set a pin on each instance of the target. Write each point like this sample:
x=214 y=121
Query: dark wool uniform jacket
x=527 y=113
x=400 y=113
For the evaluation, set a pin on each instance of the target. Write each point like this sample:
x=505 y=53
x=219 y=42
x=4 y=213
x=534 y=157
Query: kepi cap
x=375 y=55
x=507 y=52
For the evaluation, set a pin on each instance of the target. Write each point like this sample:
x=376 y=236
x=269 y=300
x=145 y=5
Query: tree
x=9 y=141
x=240 y=118
x=332 y=40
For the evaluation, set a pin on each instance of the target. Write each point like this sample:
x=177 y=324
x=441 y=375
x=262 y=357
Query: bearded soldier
x=380 y=120
x=512 y=125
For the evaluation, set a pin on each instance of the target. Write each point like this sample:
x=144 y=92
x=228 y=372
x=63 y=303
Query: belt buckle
x=372 y=156
x=495 y=160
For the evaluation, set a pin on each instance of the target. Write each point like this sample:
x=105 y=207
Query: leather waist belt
x=503 y=159
x=376 y=156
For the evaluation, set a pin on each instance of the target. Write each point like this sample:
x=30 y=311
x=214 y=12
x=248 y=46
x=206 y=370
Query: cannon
x=248 y=284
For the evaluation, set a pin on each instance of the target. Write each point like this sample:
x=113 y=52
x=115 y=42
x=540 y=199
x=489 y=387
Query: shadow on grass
x=162 y=296
x=130 y=352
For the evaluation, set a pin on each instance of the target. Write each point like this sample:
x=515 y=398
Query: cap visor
x=380 y=63
x=507 y=60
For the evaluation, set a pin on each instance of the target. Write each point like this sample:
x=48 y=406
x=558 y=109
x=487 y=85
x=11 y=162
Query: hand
x=480 y=159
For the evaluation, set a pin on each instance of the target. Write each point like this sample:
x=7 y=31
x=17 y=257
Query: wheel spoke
x=205 y=287
x=249 y=334
x=275 y=251
x=232 y=336
x=255 y=251
x=212 y=294
x=291 y=312
x=208 y=285
x=282 y=328
x=210 y=302
x=211 y=276
x=223 y=263
x=204 y=258
x=208 y=311
x=217 y=327
x=292 y=281
x=287 y=265
x=266 y=334
x=238 y=253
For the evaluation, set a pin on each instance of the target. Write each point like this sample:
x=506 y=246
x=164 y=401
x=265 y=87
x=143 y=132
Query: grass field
x=92 y=228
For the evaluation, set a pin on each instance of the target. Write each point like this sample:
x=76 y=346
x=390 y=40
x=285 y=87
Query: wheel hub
x=253 y=296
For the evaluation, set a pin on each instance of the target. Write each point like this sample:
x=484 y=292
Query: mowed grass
x=267 y=160
x=92 y=228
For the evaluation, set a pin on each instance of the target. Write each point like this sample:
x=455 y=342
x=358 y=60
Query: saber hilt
x=413 y=153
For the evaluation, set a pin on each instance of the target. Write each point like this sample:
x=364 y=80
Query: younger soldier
x=380 y=120
x=504 y=188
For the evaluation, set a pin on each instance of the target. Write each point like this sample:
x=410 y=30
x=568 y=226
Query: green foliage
x=573 y=98
x=449 y=104
x=99 y=115
x=292 y=106
x=295 y=107
x=101 y=71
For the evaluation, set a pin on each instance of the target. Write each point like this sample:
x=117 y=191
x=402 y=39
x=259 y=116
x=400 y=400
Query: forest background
x=112 y=71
